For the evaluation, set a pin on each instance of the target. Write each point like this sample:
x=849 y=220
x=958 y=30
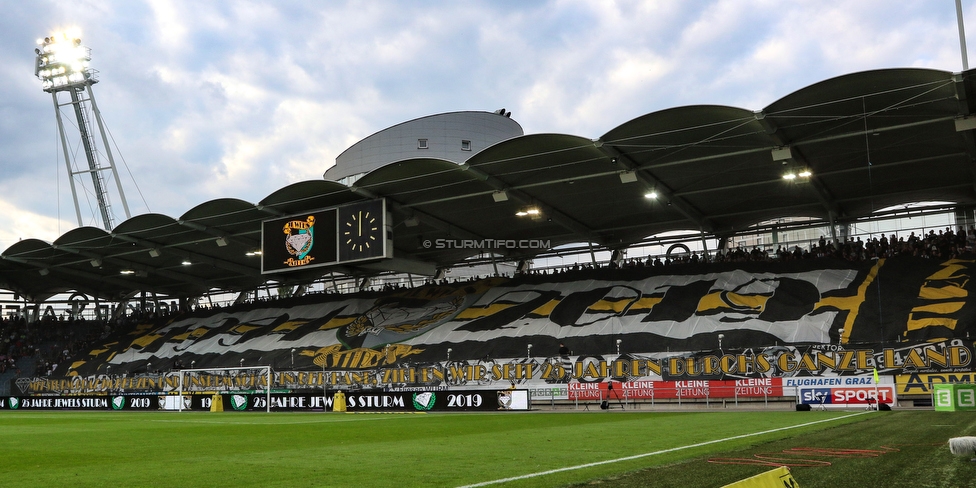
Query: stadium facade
x=453 y=136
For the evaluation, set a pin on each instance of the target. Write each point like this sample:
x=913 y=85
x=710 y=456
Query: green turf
x=896 y=449
x=298 y=449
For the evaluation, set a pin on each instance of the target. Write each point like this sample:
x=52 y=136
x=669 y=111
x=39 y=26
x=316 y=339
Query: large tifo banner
x=809 y=318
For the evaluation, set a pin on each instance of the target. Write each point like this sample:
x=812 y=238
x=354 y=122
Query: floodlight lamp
x=532 y=211
x=186 y=262
x=805 y=174
x=628 y=176
x=782 y=153
x=521 y=213
x=650 y=195
x=789 y=176
x=127 y=272
x=62 y=54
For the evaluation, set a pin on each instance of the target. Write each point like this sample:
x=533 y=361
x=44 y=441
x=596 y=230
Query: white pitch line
x=655 y=453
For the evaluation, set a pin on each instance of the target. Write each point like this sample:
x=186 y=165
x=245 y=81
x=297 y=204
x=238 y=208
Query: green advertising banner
x=954 y=397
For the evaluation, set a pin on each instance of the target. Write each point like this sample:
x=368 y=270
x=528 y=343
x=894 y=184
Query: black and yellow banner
x=819 y=317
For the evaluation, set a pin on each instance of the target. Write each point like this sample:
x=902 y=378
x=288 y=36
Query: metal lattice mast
x=62 y=65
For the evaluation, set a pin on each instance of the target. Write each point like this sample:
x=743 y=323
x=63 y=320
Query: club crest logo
x=299 y=238
x=118 y=403
x=424 y=401
x=14 y=403
x=504 y=400
x=238 y=402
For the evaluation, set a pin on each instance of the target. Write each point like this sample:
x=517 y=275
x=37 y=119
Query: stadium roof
x=870 y=140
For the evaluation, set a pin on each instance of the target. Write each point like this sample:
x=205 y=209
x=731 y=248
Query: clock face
x=361 y=233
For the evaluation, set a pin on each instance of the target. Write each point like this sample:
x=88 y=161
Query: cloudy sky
x=212 y=99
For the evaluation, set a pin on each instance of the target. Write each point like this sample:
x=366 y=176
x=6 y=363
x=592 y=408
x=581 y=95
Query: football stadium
x=701 y=296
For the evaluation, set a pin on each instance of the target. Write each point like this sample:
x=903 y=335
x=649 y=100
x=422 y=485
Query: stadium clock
x=362 y=231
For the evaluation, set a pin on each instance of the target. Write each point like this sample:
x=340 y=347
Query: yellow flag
x=776 y=478
x=876 y=381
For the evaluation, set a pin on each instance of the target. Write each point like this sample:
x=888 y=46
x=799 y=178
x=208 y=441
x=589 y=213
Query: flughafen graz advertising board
x=678 y=331
x=338 y=235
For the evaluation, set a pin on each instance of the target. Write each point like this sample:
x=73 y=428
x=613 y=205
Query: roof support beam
x=135 y=266
x=823 y=193
x=87 y=277
x=217 y=232
x=229 y=266
x=650 y=181
x=835 y=137
x=557 y=216
x=411 y=213
x=962 y=81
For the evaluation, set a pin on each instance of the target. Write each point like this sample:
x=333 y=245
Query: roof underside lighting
x=794 y=174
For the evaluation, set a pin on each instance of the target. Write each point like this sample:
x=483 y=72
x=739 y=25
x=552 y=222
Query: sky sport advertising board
x=844 y=396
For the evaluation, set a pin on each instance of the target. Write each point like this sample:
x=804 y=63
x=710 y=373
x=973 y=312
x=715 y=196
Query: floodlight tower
x=63 y=67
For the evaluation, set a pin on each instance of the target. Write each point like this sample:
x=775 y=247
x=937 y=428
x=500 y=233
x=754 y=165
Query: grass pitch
x=449 y=450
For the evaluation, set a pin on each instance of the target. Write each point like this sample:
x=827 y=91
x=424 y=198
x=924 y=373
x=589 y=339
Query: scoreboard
x=357 y=232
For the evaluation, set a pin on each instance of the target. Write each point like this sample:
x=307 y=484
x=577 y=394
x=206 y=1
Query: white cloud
x=21 y=224
x=240 y=98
